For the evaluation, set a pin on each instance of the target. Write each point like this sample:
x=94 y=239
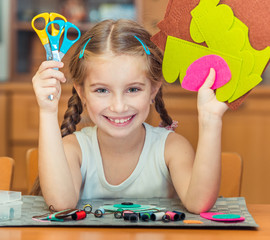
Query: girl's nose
x=118 y=104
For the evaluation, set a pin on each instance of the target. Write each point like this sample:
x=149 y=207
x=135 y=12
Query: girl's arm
x=59 y=175
x=197 y=177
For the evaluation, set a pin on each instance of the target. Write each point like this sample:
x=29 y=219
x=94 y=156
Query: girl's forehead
x=110 y=67
x=110 y=58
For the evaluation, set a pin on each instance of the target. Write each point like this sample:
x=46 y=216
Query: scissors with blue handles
x=50 y=36
x=42 y=32
x=57 y=53
x=51 y=39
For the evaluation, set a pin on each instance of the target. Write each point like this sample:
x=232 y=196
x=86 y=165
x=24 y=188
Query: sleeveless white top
x=149 y=179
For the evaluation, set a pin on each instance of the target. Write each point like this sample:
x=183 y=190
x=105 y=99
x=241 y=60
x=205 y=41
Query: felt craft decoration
x=217 y=26
x=222 y=217
x=198 y=71
x=220 y=27
x=190 y=52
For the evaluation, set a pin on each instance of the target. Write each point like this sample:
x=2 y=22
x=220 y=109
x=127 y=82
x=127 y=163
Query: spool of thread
x=173 y=216
x=79 y=215
x=118 y=214
x=182 y=215
x=145 y=216
x=157 y=216
x=133 y=217
x=87 y=208
x=99 y=212
x=127 y=214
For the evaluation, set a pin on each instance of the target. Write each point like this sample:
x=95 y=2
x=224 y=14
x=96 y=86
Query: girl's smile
x=120 y=121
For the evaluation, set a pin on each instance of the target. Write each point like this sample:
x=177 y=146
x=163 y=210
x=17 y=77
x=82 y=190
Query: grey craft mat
x=34 y=205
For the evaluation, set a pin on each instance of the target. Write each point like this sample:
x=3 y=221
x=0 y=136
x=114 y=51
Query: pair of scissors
x=50 y=35
x=51 y=40
x=42 y=32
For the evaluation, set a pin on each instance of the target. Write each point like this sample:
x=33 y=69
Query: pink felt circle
x=209 y=215
x=198 y=71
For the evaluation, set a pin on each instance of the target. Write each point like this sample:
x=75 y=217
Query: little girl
x=117 y=75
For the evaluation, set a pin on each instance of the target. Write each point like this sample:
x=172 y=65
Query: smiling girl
x=117 y=74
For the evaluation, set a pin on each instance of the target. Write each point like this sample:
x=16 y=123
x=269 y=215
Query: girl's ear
x=79 y=90
x=154 y=89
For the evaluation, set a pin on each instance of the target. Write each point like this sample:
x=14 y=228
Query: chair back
x=6 y=170
x=231 y=174
x=31 y=167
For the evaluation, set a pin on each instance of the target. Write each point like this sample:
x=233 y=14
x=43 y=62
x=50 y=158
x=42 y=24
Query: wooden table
x=261 y=214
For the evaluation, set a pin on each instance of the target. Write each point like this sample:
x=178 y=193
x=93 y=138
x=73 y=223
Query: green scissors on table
x=50 y=37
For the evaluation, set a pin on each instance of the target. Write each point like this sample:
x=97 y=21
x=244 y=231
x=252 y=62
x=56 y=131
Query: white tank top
x=149 y=179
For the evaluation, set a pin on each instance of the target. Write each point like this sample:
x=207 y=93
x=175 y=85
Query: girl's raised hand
x=207 y=101
x=46 y=82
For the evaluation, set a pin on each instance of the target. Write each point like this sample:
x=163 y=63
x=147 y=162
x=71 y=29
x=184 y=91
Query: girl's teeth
x=120 y=120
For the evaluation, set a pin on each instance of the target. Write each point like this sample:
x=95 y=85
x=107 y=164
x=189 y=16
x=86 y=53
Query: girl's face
x=117 y=94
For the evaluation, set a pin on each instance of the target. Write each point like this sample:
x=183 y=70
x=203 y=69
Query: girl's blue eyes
x=102 y=90
x=133 y=89
x=130 y=90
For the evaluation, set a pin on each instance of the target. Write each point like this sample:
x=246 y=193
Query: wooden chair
x=6 y=170
x=31 y=167
x=231 y=174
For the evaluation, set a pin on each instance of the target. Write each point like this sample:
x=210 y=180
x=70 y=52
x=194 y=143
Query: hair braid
x=160 y=108
x=72 y=115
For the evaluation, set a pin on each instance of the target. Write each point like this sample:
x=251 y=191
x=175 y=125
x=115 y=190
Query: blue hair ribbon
x=83 y=48
x=146 y=49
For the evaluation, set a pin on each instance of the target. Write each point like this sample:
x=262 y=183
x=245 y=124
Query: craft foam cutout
x=209 y=215
x=217 y=26
x=198 y=71
x=180 y=54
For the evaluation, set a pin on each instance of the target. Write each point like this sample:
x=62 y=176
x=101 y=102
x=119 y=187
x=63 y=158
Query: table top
x=260 y=212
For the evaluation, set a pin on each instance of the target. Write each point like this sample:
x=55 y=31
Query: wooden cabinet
x=245 y=131
x=3 y=124
x=19 y=122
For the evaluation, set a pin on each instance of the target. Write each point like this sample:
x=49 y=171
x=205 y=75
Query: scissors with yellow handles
x=42 y=32
x=50 y=35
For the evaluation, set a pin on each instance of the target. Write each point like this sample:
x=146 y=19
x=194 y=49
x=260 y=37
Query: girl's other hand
x=46 y=82
x=207 y=102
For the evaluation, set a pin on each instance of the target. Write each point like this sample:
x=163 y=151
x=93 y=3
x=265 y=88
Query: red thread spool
x=79 y=215
x=173 y=216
